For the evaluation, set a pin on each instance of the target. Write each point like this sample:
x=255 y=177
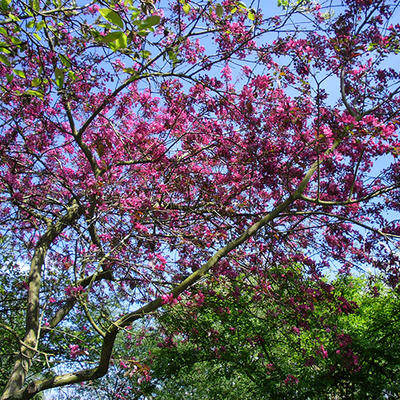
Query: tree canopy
x=150 y=146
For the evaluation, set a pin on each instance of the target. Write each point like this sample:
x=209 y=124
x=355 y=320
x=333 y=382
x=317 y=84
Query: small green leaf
x=186 y=8
x=16 y=40
x=4 y=60
x=35 y=5
x=35 y=93
x=219 y=10
x=64 y=61
x=130 y=71
x=151 y=21
x=121 y=42
x=13 y=17
x=241 y=5
x=116 y=40
x=283 y=3
x=19 y=73
x=72 y=76
x=145 y=54
x=36 y=82
x=112 y=16
x=111 y=37
x=59 y=77
x=251 y=16
x=41 y=24
x=4 y=4
x=135 y=13
x=106 y=26
x=37 y=36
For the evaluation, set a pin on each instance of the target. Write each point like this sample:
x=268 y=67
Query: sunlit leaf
x=36 y=82
x=4 y=60
x=35 y=5
x=219 y=10
x=151 y=21
x=59 y=77
x=35 y=93
x=117 y=40
x=19 y=73
x=64 y=61
x=112 y=16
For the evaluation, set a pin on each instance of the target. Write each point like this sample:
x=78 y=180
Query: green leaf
x=219 y=10
x=13 y=17
x=251 y=16
x=19 y=73
x=4 y=4
x=35 y=93
x=111 y=37
x=241 y=5
x=151 y=21
x=135 y=13
x=37 y=36
x=4 y=60
x=112 y=16
x=36 y=81
x=145 y=54
x=16 y=40
x=64 y=61
x=35 y=5
x=59 y=77
x=130 y=71
x=41 y=24
x=116 y=40
x=106 y=26
x=186 y=8
x=72 y=76
x=9 y=77
x=122 y=41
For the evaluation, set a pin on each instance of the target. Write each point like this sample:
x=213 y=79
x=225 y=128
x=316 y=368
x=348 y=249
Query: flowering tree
x=146 y=145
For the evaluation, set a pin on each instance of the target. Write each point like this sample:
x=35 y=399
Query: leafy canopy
x=149 y=145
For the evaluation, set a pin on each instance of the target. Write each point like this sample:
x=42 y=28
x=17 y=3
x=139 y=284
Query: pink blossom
x=323 y=352
x=291 y=380
x=226 y=72
x=169 y=299
x=74 y=351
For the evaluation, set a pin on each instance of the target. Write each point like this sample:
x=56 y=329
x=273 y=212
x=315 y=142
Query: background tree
x=239 y=346
x=274 y=345
x=146 y=145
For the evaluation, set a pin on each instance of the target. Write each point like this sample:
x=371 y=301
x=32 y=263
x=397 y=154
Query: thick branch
x=30 y=340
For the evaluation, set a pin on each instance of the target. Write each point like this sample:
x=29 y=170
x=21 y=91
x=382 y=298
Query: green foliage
x=234 y=346
x=286 y=4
